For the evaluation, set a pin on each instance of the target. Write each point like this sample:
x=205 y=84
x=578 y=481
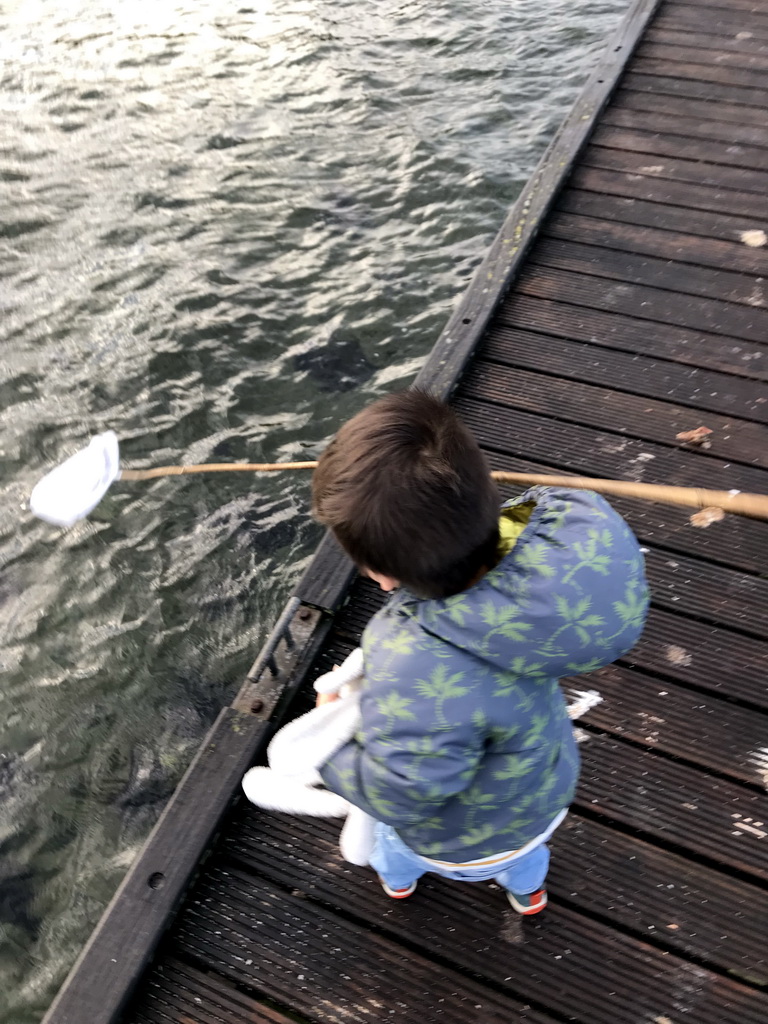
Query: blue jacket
x=465 y=747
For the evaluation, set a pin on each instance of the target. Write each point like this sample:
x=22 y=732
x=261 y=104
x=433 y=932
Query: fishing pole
x=70 y=491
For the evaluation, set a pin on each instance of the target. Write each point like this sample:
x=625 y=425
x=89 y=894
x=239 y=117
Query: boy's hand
x=326 y=698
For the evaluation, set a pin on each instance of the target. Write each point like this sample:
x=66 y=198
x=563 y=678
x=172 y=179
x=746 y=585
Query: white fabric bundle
x=299 y=749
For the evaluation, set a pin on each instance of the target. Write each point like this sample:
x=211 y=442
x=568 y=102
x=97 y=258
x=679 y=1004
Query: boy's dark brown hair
x=407 y=492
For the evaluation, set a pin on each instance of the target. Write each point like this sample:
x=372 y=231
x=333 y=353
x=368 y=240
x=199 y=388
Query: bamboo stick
x=752 y=505
x=212 y=467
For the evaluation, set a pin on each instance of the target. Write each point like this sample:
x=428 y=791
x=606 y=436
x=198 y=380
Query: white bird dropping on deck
x=73 y=489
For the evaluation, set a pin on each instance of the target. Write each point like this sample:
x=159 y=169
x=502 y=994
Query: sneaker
x=397 y=894
x=528 y=902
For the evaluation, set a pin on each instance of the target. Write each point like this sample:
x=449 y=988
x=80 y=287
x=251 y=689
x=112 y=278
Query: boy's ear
x=387 y=583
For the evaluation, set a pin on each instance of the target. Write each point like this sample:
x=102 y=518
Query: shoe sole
x=397 y=894
x=526 y=911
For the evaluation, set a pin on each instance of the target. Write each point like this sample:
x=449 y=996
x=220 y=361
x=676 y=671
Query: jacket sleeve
x=401 y=768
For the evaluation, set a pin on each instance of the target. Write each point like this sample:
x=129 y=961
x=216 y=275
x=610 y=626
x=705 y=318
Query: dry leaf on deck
x=697 y=436
x=678 y=655
x=707 y=516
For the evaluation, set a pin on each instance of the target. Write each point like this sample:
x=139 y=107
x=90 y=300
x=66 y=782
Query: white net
x=73 y=489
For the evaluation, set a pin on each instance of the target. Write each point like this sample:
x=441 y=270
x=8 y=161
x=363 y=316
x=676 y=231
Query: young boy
x=466 y=755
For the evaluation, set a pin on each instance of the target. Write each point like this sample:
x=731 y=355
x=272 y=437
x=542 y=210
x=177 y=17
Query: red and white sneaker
x=398 y=894
x=528 y=902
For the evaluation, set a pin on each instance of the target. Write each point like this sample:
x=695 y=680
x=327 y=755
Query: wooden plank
x=682 y=279
x=708 y=733
x=711 y=659
x=707 y=128
x=702 y=390
x=504 y=258
x=662 y=216
x=704 y=352
x=175 y=991
x=552 y=963
x=682 y=106
x=696 y=587
x=644 y=64
x=124 y=941
x=596 y=870
x=734 y=290
x=720 y=6
x=639 y=375
x=323 y=965
x=751 y=63
x=613 y=154
x=641 y=417
x=661 y=242
x=659 y=305
x=705 y=37
x=616 y=173
x=725 y=22
x=740 y=167
x=692 y=909
x=704 y=817
x=657 y=78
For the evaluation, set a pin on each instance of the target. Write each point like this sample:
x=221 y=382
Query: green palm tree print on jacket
x=466 y=747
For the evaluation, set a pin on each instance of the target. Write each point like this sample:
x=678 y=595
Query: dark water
x=222 y=232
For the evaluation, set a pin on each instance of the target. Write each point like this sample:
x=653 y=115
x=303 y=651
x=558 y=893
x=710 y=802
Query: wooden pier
x=625 y=301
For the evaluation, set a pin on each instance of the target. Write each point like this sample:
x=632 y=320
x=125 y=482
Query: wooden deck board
x=182 y=994
x=658 y=889
x=642 y=97
x=554 y=960
x=684 y=222
x=632 y=298
x=323 y=963
x=677 y=182
x=636 y=310
x=675 y=805
x=730 y=7
x=710 y=592
x=604 y=328
x=658 y=78
x=742 y=168
x=724 y=24
x=706 y=391
x=741 y=62
x=737 y=41
x=709 y=733
x=702 y=73
x=617 y=264
x=609 y=453
x=700 y=128
x=641 y=417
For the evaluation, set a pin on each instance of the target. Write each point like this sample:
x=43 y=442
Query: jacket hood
x=570 y=595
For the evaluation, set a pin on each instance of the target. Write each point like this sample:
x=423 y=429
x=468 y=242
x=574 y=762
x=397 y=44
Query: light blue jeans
x=399 y=866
